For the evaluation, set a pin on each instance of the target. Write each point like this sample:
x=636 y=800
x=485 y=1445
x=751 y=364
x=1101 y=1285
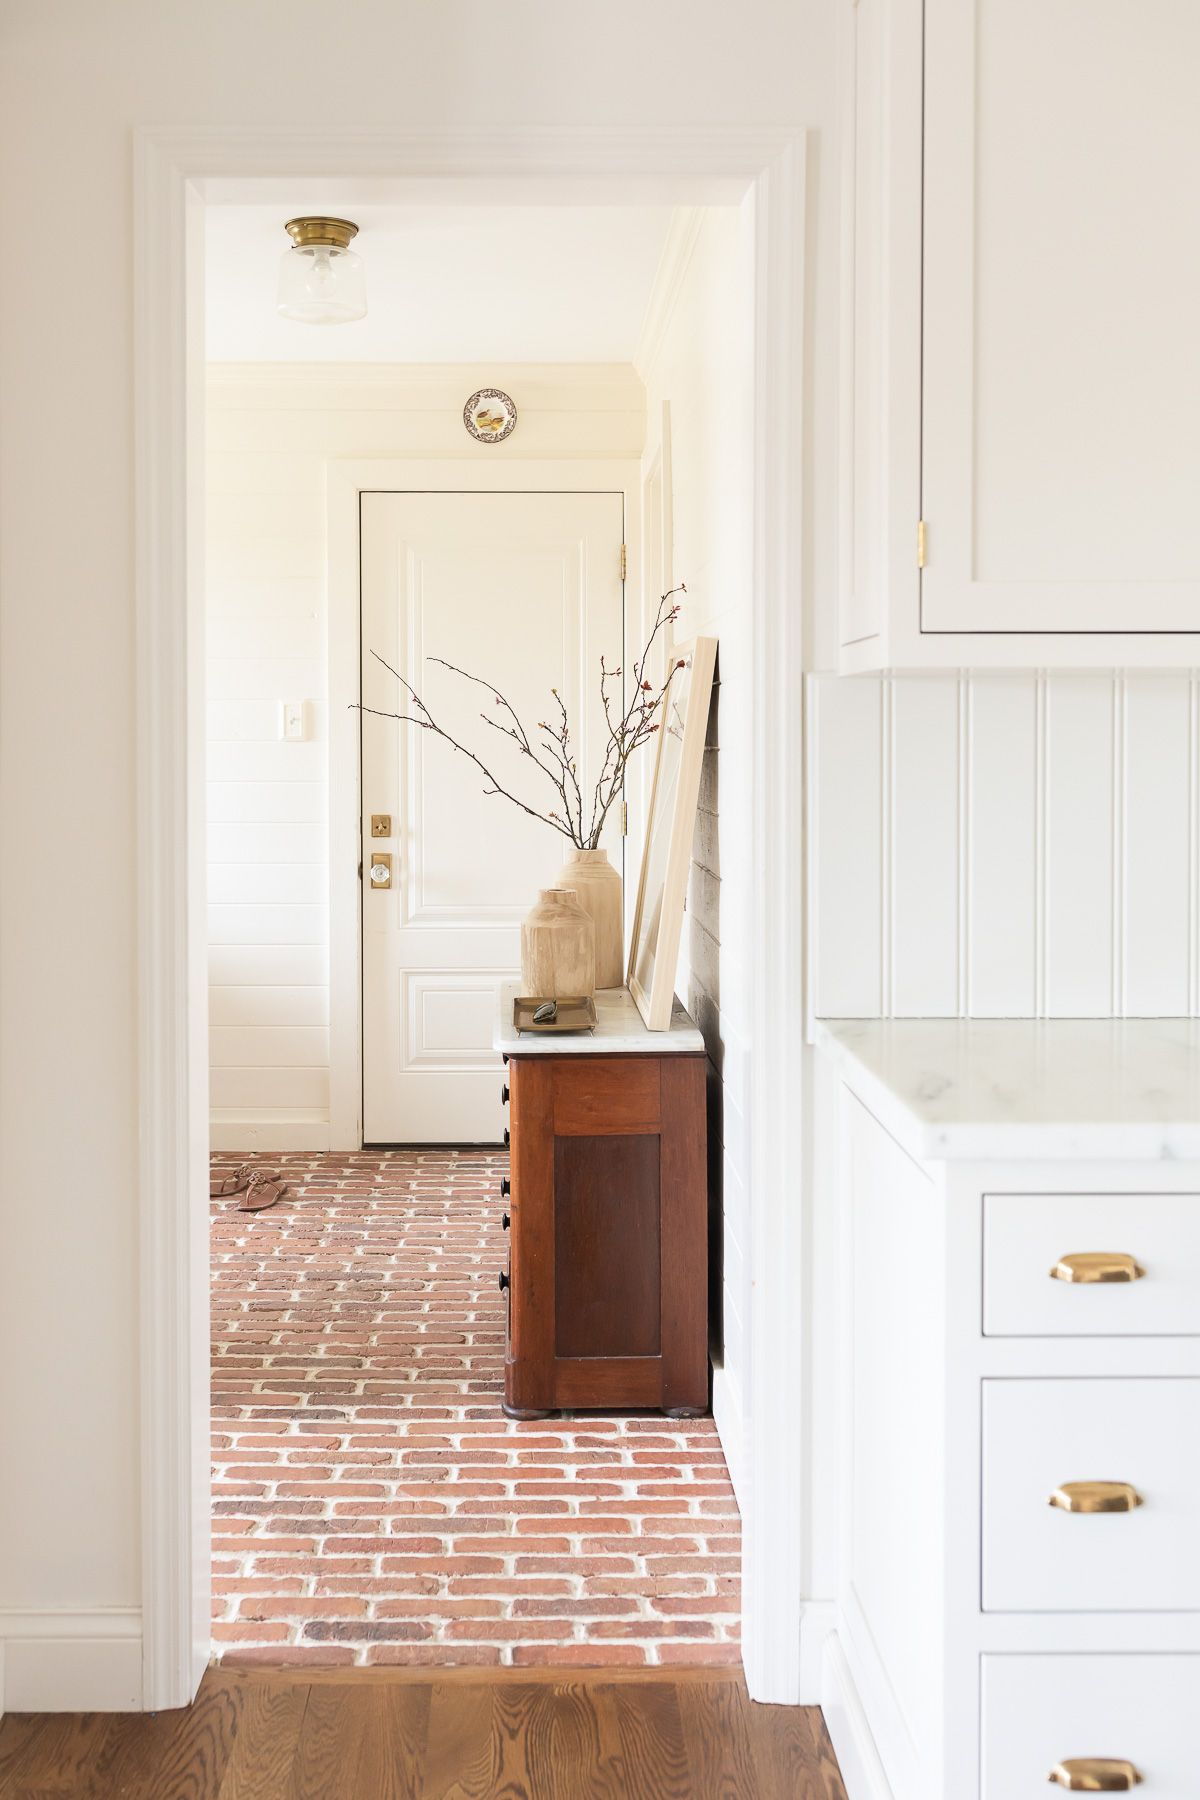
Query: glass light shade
x=321 y=284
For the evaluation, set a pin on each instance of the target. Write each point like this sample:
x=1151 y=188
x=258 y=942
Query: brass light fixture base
x=335 y=232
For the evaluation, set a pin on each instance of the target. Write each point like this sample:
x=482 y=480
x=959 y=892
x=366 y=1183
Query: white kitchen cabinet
x=1021 y=363
x=1018 y=1589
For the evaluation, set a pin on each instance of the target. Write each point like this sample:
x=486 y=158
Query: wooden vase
x=558 y=948
x=597 y=887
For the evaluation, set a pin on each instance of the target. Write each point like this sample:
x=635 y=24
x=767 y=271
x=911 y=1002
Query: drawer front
x=1041 y=1436
x=1038 y=1711
x=1025 y=1236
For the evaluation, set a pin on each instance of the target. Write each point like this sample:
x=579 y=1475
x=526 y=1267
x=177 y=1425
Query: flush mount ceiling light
x=321 y=279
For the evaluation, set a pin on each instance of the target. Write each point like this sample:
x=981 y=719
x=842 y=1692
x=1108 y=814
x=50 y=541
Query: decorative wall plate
x=490 y=415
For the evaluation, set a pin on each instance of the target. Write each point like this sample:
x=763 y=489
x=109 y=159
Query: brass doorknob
x=1095 y=1497
x=1097 y=1265
x=1095 y=1775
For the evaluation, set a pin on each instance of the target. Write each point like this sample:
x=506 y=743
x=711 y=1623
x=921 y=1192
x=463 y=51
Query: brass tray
x=573 y=1015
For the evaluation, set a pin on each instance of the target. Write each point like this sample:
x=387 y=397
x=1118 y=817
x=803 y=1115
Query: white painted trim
x=704 y=163
x=299 y=1129
x=773 y=1562
x=818 y=1623
x=71 y=1661
x=731 y=1429
x=172 y=935
x=862 y=1772
x=673 y=264
x=345 y=481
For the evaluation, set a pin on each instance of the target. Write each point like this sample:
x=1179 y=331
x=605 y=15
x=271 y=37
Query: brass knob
x=1095 y=1497
x=1097 y=1265
x=1095 y=1775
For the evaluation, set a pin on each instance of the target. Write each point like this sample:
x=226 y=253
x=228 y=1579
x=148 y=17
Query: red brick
x=370 y=1498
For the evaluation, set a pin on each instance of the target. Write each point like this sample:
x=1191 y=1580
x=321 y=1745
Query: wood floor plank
x=175 y=1755
x=21 y=1740
x=70 y=1746
x=793 y=1757
x=264 y=1751
x=396 y=1731
x=486 y=1735
x=716 y=1733
x=653 y=1751
x=459 y=1753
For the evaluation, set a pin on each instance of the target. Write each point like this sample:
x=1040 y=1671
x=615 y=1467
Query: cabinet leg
x=685 y=1412
x=525 y=1412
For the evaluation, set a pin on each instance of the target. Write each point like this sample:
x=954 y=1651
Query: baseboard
x=818 y=1622
x=731 y=1429
x=862 y=1772
x=71 y=1661
x=293 y=1130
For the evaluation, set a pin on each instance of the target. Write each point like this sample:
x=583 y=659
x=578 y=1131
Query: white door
x=523 y=590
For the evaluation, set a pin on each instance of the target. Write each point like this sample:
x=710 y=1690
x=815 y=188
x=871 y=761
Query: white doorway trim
x=345 y=481
x=174 y=171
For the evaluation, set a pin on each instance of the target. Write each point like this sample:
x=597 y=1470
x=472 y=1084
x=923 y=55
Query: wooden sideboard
x=607 y=1208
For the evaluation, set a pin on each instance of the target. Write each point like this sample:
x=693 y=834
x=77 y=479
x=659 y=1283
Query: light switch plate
x=293 y=721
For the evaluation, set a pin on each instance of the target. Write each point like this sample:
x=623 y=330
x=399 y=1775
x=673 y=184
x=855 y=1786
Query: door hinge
x=624 y=562
x=920 y=543
x=624 y=818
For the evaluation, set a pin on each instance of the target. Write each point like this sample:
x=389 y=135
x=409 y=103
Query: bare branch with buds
x=628 y=731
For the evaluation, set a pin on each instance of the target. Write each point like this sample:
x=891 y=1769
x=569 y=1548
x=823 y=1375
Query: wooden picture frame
x=670 y=820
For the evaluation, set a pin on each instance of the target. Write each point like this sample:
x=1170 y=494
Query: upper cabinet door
x=1060 y=427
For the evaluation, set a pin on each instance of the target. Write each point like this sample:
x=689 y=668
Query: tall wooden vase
x=558 y=948
x=598 y=887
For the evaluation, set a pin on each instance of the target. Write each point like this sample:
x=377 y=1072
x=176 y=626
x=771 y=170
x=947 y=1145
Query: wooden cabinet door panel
x=609 y=1279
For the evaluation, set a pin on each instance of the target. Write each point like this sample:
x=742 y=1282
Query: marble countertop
x=619 y=1031
x=1026 y=1088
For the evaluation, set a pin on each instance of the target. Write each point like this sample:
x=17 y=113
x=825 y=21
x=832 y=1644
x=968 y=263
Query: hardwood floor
x=462 y=1735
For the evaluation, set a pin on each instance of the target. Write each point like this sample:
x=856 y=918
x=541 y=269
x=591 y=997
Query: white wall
x=1005 y=845
x=77 y=78
x=271 y=432
x=699 y=367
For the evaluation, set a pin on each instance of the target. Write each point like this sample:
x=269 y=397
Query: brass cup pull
x=1097 y=1265
x=1095 y=1497
x=1095 y=1775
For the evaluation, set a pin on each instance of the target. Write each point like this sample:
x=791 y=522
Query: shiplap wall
x=271 y=431
x=701 y=369
x=1005 y=845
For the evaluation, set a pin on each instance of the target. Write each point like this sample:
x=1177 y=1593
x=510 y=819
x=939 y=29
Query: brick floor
x=371 y=1502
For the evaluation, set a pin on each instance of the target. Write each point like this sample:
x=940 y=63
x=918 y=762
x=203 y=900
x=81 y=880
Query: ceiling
x=445 y=283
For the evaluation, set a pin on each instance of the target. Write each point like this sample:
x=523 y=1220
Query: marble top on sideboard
x=1029 y=1088
x=619 y=1031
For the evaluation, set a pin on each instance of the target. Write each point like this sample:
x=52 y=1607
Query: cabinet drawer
x=1025 y=1236
x=1040 y=1435
x=1040 y=1710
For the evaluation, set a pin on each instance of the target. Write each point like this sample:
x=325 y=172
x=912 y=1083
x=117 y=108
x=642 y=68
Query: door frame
x=174 y=170
x=345 y=481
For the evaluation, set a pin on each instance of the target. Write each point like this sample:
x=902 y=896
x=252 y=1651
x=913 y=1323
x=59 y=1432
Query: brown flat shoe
x=262 y=1190
x=221 y=1185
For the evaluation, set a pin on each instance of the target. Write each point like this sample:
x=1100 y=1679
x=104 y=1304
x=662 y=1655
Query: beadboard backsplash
x=988 y=846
